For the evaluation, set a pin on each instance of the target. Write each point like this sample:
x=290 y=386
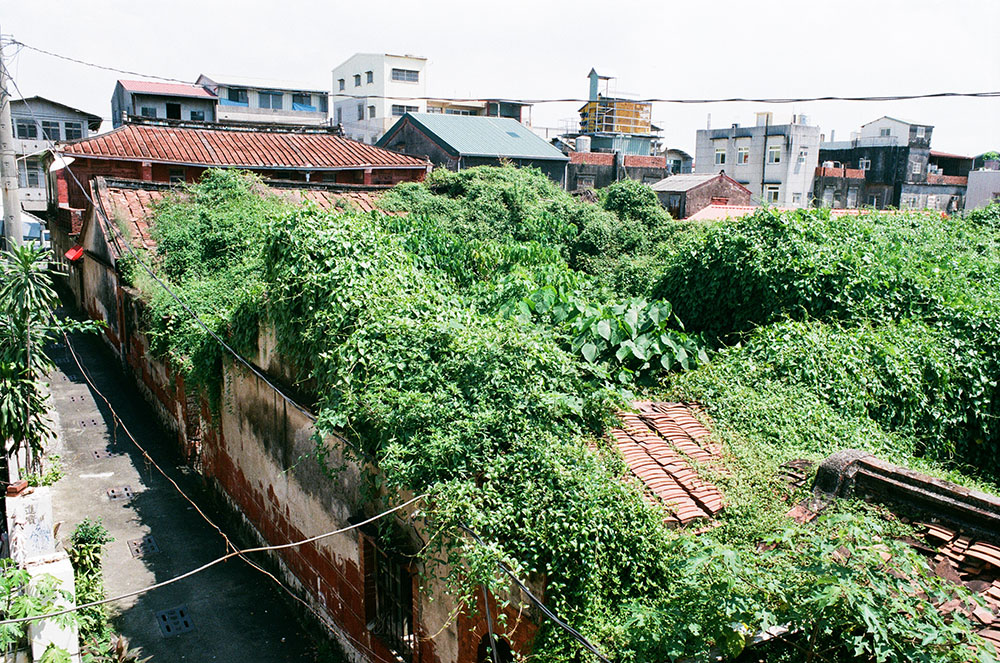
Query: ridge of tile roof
x=660 y=444
x=236 y=149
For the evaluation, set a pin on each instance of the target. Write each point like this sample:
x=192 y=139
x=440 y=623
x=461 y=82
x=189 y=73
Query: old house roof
x=661 y=443
x=478 y=136
x=166 y=89
x=237 y=148
x=688 y=181
x=131 y=203
x=93 y=121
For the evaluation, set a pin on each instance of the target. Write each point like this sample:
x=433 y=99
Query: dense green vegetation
x=476 y=346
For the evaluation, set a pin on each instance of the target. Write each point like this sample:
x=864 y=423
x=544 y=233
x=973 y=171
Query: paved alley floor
x=236 y=613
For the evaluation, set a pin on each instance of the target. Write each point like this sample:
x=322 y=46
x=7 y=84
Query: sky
x=520 y=49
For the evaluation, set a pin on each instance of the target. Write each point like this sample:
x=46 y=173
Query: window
x=873 y=201
x=915 y=168
x=406 y=75
x=198 y=116
x=369 y=77
x=177 y=176
x=771 y=192
x=435 y=109
x=388 y=599
x=796 y=198
x=340 y=116
x=399 y=110
x=743 y=154
x=361 y=112
x=50 y=130
x=852 y=197
x=147 y=111
x=802 y=156
x=267 y=99
x=340 y=83
x=302 y=99
x=26 y=129
x=885 y=132
x=323 y=104
x=73 y=130
x=864 y=163
x=238 y=95
x=584 y=182
x=720 y=156
x=173 y=111
x=357 y=80
x=371 y=112
x=828 y=196
x=921 y=132
x=27 y=174
x=774 y=154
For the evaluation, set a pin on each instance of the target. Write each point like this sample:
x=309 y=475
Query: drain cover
x=101 y=453
x=144 y=546
x=174 y=621
x=123 y=493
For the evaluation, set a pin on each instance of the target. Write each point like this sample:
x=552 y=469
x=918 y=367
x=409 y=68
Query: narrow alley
x=230 y=612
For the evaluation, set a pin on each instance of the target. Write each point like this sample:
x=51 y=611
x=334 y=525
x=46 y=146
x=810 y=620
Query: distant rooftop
x=472 y=135
x=261 y=83
x=167 y=89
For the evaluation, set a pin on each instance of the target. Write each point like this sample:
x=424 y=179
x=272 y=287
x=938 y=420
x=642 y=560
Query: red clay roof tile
x=241 y=149
x=659 y=443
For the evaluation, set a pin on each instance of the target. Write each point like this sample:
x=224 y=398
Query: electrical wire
x=538 y=602
x=537 y=101
x=214 y=562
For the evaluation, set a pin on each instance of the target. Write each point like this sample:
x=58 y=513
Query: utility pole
x=12 y=232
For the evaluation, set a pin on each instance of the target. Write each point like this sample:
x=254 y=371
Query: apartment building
x=889 y=163
x=777 y=162
x=371 y=91
x=256 y=100
x=37 y=123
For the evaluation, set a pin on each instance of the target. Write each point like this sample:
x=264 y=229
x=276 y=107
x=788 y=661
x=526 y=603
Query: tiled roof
x=688 y=181
x=661 y=444
x=640 y=161
x=131 y=203
x=963 y=560
x=240 y=149
x=592 y=158
x=169 y=89
x=477 y=136
x=946 y=155
x=719 y=212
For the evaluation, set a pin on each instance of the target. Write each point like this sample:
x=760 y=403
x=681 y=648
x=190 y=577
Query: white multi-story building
x=373 y=90
x=777 y=162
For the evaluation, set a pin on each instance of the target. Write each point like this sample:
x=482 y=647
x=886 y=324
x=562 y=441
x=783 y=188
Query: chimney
x=832 y=132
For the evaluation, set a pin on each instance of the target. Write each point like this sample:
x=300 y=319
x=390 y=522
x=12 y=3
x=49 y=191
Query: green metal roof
x=477 y=136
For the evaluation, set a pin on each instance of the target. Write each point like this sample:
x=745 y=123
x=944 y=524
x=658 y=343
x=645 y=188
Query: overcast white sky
x=539 y=49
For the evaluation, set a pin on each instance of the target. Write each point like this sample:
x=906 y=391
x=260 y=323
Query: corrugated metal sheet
x=170 y=89
x=477 y=136
x=240 y=149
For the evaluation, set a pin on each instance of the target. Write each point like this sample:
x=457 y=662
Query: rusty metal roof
x=661 y=444
x=237 y=149
x=167 y=89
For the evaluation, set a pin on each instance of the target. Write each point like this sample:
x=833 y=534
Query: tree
x=27 y=325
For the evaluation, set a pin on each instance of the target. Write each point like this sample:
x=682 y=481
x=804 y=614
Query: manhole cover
x=123 y=493
x=101 y=453
x=144 y=546
x=174 y=621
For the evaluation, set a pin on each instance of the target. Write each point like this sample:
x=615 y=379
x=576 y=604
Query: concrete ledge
x=856 y=473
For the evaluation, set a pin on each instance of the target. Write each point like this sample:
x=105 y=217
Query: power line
x=538 y=602
x=537 y=101
x=214 y=562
